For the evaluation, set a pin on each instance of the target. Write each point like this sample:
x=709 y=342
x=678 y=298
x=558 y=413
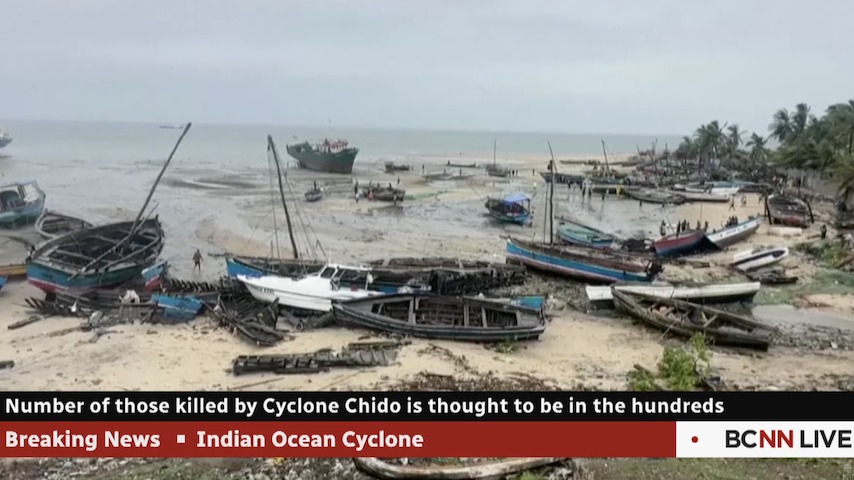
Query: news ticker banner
x=427 y=424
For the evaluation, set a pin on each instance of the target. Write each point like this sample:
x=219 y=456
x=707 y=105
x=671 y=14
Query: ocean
x=221 y=175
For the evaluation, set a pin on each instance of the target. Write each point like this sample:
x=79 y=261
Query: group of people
x=683 y=226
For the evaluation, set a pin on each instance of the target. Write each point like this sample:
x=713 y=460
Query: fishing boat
x=387 y=194
x=314 y=292
x=788 y=210
x=461 y=165
x=154 y=276
x=183 y=307
x=574 y=234
x=53 y=224
x=758 y=258
x=2 y=282
x=562 y=178
x=685 y=319
x=328 y=156
x=654 y=196
x=734 y=233
x=493 y=170
x=261 y=266
x=680 y=243
x=711 y=293
x=96 y=257
x=21 y=203
x=715 y=188
x=579 y=264
x=772 y=276
x=5 y=138
x=391 y=167
x=442 y=318
x=515 y=208
x=702 y=196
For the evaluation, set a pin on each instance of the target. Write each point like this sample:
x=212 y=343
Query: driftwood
x=492 y=470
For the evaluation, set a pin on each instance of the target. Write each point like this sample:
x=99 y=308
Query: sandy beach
x=578 y=349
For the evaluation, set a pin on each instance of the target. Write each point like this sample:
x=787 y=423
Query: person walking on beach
x=732 y=204
x=197 y=260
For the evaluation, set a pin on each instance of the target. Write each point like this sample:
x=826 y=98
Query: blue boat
x=258 y=267
x=154 y=275
x=514 y=208
x=2 y=282
x=531 y=301
x=21 y=203
x=590 y=266
x=179 y=307
x=584 y=237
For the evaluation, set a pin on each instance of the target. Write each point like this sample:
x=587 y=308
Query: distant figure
x=663 y=228
x=743 y=200
x=706 y=226
x=197 y=260
x=422 y=169
x=640 y=203
x=533 y=171
x=678 y=228
x=398 y=181
x=356 y=189
x=732 y=204
x=823 y=232
x=461 y=172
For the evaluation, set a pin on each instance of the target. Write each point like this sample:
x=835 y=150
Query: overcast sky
x=607 y=66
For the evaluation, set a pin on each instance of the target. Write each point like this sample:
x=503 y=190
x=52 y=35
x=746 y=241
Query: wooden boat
x=680 y=243
x=712 y=293
x=496 y=171
x=96 y=257
x=442 y=318
x=574 y=234
x=678 y=317
x=185 y=307
x=391 y=167
x=154 y=276
x=789 y=211
x=562 y=178
x=758 y=257
x=772 y=276
x=21 y=203
x=461 y=165
x=701 y=196
x=53 y=224
x=260 y=266
x=2 y=282
x=311 y=292
x=313 y=195
x=715 y=188
x=514 y=208
x=735 y=233
x=579 y=264
x=387 y=194
x=653 y=196
x=13 y=271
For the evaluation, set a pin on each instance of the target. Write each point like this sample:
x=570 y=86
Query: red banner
x=338 y=439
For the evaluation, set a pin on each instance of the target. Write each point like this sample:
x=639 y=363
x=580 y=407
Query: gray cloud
x=610 y=66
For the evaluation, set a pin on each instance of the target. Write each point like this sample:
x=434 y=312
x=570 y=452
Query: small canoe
x=53 y=224
x=679 y=243
x=654 y=196
x=313 y=195
x=685 y=319
x=758 y=257
x=423 y=315
x=576 y=235
x=702 y=196
x=773 y=276
x=713 y=293
x=733 y=234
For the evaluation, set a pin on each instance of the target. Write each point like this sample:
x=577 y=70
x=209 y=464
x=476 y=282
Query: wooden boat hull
x=468 y=319
x=53 y=224
x=705 y=294
x=582 y=238
x=757 y=258
x=650 y=196
x=753 y=334
x=179 y=307
x=153 y=276
x=734 y=234
x=461 y=165
x=258 y=267
x=313 y=196
x=702 y=196
x=681 y=244
x=498 y=210
x=54 y=267
x=788 y=211
x=575 y=266
x=519 y=219
x=23 y=215
x=562 y=178
x=13 y=271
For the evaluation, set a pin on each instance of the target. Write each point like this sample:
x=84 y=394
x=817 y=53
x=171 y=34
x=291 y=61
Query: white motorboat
x=759 y=257
x=734 y=233
x=703 y=196
x=315 y=291
x=710 y=293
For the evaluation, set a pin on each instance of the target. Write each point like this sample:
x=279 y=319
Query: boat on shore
x=685 y=319
x=712 y=293
x=758 y=258
x=391 y=167
x=579 y=264
x=496 y=171
x=576 y=234
x=180 y=307
x=314 y=292
x=5 y=138
x=515 y=208
x=562 y=178
x=261 y=266
x=680 y=243
x=53 y=224
x=315 y=194
x=422 y=315
x=21 y=203
x=714 y=188
x=654 y=196
x=13 y=271
x=386 y=194
x=788 y=211
x=328 y=156
x=461 y=165
x=703 y=196
x=732 y=234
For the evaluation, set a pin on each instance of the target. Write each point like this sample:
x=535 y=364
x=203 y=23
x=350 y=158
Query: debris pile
x=249 y=320
x=354 y=355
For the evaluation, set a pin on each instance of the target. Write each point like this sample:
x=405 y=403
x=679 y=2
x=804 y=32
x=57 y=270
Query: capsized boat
x=391 y=167
x=654 y=196
x=96 y=257
x=21 y=203
x=712 y=293
x=579 y=264
x=314 y=292
x=681 y=243
x=789 y=211
x=53 y=224
x=443 y=318
x=758 y=257
x=734 y=232
x=515 y=208
x=685 y=319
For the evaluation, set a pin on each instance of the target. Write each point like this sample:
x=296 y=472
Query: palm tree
x=781 y=127
x=758 y=150
x=733 y=139
x=801 y=120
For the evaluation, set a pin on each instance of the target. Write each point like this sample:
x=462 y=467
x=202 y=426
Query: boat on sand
x=712 y=293
x=734 y=233
x=53 y=224
x=759 y=257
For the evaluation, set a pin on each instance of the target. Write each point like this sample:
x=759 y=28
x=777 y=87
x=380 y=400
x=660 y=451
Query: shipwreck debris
x=352 y=356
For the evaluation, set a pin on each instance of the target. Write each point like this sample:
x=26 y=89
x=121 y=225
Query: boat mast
x=271 y=146
x=553 y=170
x=494 y=147
x=607 y=167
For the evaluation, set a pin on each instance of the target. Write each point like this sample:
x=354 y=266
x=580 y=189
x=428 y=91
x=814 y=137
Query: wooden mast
x=271 y=146
x=553 y=170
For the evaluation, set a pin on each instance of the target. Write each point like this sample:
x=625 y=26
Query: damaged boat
x=734 y=233
x=442 y=317
x=53 y=224
x=713 y=293
x=758 y=257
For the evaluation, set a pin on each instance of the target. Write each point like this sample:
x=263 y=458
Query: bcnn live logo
x=807 y=438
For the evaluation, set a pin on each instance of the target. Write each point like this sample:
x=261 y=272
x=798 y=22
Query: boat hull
x=303 y=300
x=338 y=162
x=751 y=260
x=5 y=141
x=179 y=307
x=25 y=215
x=568 y=266
x=55 y=280
x=720 y=294
x=679 y=244
x=582 y=239
x=734 y=234
x=520 y=219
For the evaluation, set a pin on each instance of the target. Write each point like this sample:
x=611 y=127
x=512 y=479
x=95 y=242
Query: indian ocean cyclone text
x=359 y=405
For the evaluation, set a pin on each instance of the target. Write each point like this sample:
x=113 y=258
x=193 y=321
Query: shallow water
x=789 y=315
